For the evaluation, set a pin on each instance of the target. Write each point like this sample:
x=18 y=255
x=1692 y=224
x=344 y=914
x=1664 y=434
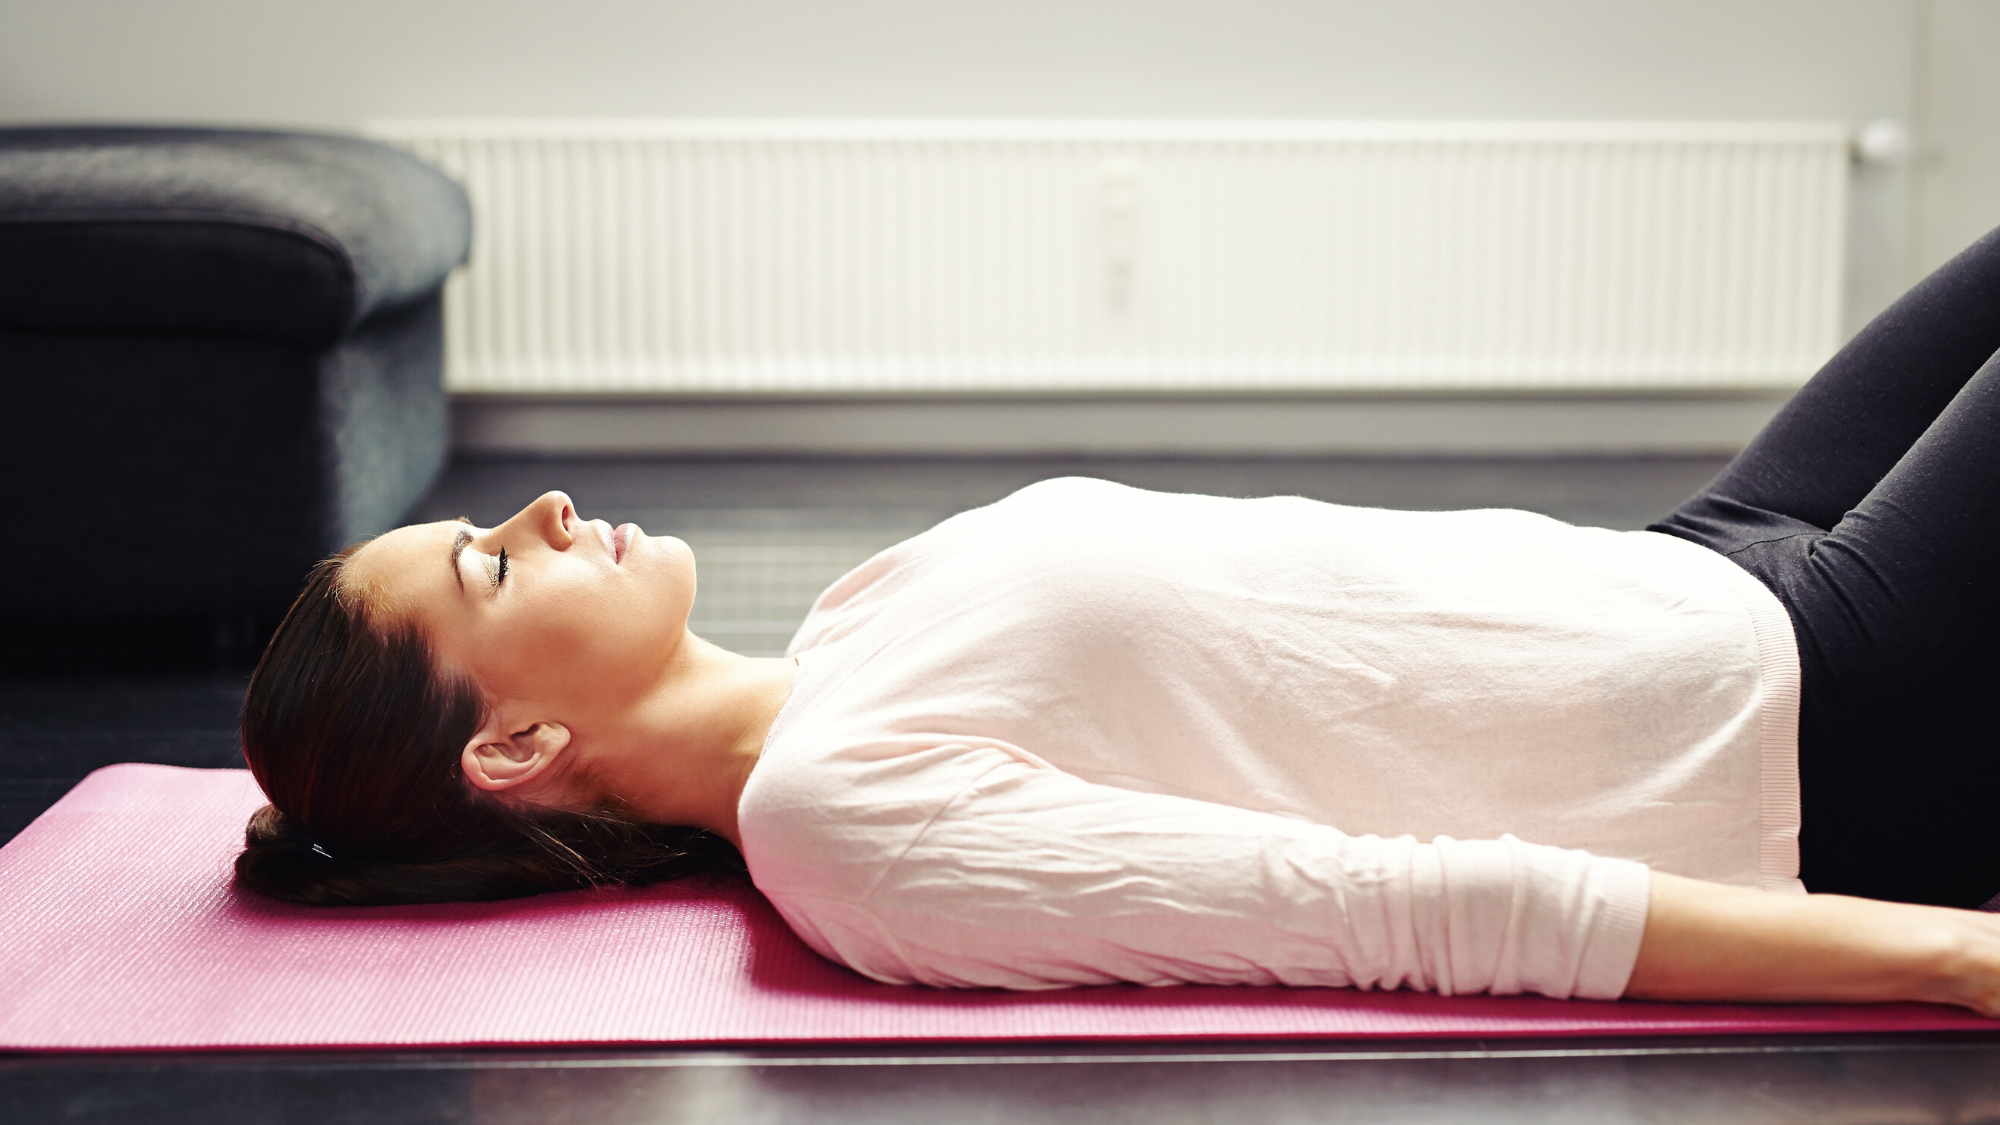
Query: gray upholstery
x=220 y=360
x=268 y=235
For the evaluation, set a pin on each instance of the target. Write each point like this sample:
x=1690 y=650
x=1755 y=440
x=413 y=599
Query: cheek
x=535 y=648
x=590 y=638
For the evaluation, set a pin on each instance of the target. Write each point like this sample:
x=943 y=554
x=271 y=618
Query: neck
x=683 y=753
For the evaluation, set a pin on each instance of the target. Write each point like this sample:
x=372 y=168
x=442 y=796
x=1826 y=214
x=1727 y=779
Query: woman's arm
x=1704 y=941
x=969 y=867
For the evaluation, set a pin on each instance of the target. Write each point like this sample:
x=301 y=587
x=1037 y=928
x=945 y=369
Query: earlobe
x=495 y=759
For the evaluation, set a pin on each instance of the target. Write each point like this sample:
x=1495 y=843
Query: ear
x=509 y=751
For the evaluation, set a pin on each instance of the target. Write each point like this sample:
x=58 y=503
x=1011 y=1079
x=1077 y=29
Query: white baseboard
x=1522 y=426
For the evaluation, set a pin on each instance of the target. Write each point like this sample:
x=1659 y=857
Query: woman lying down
x=1092 y=734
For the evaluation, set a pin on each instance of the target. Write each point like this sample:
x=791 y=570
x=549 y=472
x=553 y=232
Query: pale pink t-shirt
x=1092 y=734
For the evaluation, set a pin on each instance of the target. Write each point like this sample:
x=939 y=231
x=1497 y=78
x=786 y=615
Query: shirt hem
x=1779 y=813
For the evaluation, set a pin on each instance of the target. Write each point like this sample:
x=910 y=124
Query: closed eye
x=500 y=570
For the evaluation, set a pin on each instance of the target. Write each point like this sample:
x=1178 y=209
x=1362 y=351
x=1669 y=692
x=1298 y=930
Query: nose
x=547 y=517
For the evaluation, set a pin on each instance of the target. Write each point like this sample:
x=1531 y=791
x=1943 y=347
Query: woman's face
x=548 y=608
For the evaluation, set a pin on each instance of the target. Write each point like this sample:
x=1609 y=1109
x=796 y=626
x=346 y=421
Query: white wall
x=336 y=63
x=1957 y=119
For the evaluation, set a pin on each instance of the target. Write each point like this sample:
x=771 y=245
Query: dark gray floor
x=1741 y=1083
x=764 y=531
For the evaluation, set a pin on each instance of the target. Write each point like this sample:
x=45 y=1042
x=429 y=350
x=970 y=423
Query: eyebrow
x=458 y=543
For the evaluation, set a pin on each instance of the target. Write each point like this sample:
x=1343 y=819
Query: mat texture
x=122 y=931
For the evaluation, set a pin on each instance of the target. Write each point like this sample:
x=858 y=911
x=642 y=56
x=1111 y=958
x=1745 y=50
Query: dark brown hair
x=355 y=735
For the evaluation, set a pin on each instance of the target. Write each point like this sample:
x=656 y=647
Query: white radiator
x=749 y=257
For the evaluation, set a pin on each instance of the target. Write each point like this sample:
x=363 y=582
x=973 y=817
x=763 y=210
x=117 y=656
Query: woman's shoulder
x=826 y=802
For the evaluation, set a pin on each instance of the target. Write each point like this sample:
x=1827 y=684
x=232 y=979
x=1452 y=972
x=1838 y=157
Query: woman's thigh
x=1844 y=432
x=1899 y=742
x=1871 y=507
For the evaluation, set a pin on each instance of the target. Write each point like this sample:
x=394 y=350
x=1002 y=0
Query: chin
x=670 y=562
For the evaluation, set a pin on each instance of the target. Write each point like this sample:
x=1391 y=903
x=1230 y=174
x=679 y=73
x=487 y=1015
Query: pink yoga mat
x=121 y=930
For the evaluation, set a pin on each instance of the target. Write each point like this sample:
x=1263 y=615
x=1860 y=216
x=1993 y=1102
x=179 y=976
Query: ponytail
x=355 y=736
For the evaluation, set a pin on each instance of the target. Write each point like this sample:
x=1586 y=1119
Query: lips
x=621 y=540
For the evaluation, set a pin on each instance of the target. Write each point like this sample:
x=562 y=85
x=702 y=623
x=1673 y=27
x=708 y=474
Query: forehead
x=404 y=568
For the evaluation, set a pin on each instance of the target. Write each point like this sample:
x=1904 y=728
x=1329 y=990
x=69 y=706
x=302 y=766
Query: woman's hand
x=1705 y=941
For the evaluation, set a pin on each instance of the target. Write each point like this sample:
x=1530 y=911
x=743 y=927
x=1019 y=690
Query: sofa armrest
x=259 y=235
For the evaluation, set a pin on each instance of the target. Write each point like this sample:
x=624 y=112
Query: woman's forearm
x=1704 y=941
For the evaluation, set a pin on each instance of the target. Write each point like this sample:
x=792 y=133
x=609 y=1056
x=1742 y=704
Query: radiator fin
x=747 y=257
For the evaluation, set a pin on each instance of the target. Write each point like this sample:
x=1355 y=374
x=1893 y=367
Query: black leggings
x=1871 y=506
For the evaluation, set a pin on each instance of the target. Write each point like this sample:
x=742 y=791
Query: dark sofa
x=220 y=360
